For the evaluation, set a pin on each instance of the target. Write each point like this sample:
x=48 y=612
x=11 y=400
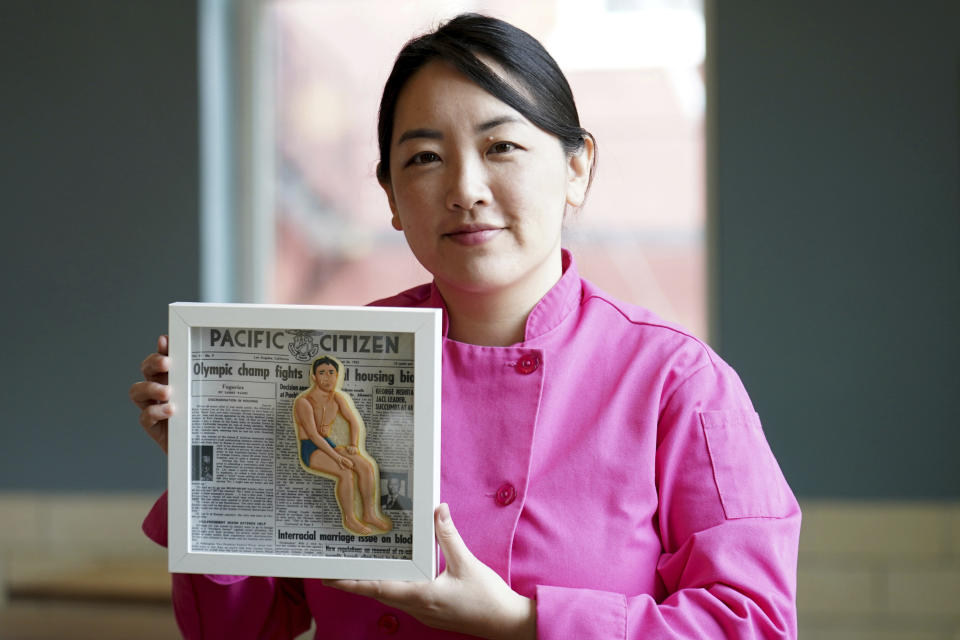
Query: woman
x=607 y=472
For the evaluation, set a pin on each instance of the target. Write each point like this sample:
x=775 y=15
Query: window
x=323 y=233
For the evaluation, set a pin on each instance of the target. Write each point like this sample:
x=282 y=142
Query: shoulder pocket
x=748 y=478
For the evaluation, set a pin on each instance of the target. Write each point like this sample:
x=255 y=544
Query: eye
x=424 y=157
x=503 y=147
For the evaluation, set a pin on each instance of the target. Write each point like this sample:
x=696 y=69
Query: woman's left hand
x=468 y=597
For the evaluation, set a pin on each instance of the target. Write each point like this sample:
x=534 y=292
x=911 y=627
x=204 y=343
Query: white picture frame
x=212 y=527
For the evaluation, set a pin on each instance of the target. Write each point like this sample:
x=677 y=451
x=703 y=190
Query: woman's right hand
x=152 y=395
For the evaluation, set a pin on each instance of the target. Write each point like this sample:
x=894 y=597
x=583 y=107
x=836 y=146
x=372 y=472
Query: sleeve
x=729 y=528
x=233 y=607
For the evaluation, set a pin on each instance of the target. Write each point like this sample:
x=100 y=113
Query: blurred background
x=782 y=178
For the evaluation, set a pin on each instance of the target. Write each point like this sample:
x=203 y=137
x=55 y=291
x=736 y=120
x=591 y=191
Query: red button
x=527 y=364
x=388 y=624
x=506 y=494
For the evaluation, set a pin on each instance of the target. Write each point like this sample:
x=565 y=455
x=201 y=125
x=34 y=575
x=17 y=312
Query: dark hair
x=548 y=102
x=325 y=360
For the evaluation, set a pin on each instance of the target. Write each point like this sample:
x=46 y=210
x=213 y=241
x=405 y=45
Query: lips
x=473 y=234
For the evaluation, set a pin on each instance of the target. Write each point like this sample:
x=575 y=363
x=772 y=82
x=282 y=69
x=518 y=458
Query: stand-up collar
x=558 y=303
x=553 y=307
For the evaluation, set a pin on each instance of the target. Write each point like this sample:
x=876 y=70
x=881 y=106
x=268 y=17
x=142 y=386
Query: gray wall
x=838 y=227
x=837 y=262
x=100 y=214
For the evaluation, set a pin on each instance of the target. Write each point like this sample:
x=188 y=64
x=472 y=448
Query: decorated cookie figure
x=331 y=437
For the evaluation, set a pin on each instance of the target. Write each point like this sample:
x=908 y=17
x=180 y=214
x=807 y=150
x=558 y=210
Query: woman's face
x=478 y=190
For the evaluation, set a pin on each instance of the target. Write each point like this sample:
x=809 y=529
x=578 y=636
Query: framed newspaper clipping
x=306 y=441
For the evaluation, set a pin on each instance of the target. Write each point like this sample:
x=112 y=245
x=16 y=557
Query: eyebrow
x=433 y=134
x=430 y=134
x=496 y=122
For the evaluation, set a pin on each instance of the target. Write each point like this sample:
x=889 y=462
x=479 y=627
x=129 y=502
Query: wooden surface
x=54 y=620
x=97 y=599
x=113 y=599
x=136 y=582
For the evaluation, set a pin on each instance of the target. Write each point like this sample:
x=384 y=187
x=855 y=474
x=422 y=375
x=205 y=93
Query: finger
x=395 y=593
x=155 y=367
x=163 y=345
x=147 y=393
x=154 y=414
x=452 y=545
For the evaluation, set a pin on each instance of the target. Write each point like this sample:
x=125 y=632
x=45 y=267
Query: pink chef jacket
x=610 y=466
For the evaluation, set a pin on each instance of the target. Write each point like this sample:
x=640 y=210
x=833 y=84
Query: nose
x=468 y=186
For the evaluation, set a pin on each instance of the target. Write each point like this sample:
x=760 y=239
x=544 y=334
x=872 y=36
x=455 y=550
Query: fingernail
x=443 y=512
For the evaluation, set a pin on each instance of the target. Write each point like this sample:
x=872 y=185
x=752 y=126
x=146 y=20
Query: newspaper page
x=301 y=442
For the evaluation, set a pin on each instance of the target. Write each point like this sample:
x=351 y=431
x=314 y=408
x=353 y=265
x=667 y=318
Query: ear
x=388 y=189
x=578 y=173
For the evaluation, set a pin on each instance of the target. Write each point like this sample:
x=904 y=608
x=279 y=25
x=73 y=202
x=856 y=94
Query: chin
x=480 y=280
